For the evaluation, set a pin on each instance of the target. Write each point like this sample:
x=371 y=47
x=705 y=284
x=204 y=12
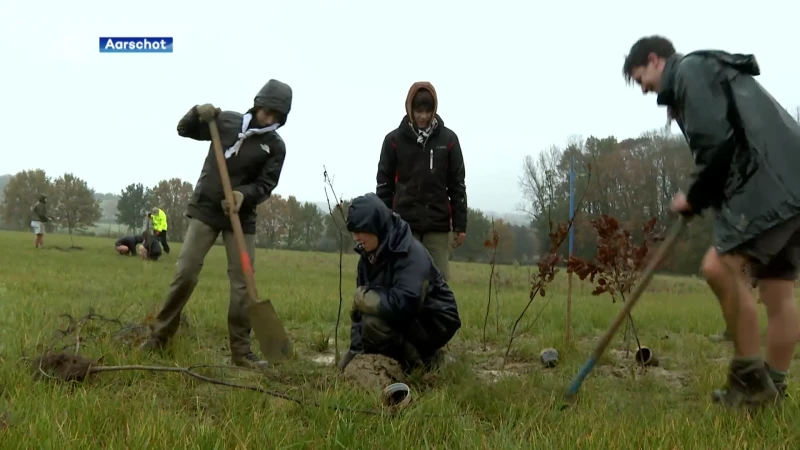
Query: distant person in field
x=402 y=306
x=254 y=154
x=126 y=245
x=39 y=218
x=160 y=227
x=421 y=176
x=147 y=225
x=746 y=149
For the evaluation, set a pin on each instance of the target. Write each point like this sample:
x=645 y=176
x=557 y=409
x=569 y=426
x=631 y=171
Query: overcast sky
x=513 y=78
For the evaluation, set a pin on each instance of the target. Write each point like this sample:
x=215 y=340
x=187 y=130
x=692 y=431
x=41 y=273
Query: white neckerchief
x=234 y=150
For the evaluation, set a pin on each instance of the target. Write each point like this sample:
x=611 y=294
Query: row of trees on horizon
x=632 y=180
x=285 y=223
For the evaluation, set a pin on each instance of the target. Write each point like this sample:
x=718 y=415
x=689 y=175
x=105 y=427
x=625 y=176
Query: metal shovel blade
x=270 y=334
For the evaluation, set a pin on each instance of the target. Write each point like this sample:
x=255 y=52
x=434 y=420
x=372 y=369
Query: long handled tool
x=647 y=275
x=267 y=326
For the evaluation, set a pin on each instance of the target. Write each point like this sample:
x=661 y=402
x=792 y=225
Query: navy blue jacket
x=401 y=272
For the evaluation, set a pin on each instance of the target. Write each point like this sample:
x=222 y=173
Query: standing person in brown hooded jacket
x=254 y=154
x=421 y=176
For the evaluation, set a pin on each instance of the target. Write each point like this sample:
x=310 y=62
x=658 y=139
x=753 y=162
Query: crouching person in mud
x=402 y=307
x=254 y=154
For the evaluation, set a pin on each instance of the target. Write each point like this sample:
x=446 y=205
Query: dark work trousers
x=162 y=238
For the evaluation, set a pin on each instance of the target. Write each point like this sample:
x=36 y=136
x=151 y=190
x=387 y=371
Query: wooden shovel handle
x=236 y=224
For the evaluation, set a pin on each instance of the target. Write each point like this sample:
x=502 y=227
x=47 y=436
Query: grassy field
x=474 y=403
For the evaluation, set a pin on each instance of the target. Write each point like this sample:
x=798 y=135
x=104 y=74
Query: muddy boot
x=779 y=380
x=782 y=387
x=250 y=361
x=724 y=336
x=410 y=359
x=439 y=359
x=153 y=344
x=749 y=385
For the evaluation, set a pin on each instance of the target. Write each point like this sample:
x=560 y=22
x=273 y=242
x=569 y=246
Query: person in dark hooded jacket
x=402 y=306
x=254 y=154
x=746 y=149
x=421 y=176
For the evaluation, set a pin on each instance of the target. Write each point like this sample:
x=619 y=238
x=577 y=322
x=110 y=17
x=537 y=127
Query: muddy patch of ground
x=73 y=248
x=63 y=366
x=323 y=359
x=491 y=369
x=374 y=372
x=624 y=366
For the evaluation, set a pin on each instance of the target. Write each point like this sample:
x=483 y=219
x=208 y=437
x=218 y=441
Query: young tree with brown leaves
x=618 y=262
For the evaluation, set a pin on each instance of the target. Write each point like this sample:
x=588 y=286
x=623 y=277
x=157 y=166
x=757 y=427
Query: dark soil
x=63 y=366
x=374 y=372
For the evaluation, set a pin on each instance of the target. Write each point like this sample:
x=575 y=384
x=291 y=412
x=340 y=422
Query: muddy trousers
x=198 y=241
x=412 y=345
x=438 y=245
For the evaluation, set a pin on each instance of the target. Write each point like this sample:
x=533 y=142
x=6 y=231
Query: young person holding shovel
x=254 y=155
x=746 y=149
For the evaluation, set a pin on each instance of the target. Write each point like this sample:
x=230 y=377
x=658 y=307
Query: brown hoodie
x=412 y=91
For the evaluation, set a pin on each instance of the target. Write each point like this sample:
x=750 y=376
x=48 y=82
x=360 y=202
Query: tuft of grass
x=474 y=402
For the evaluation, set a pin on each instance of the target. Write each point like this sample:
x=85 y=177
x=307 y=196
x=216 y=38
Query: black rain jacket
x=402 y=273
x=423 y=182
x=746 y=146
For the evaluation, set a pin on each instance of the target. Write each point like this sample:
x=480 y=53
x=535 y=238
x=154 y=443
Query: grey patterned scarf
x=424 y=134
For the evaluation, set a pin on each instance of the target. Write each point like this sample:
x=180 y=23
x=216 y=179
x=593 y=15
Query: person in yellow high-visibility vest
x=160 y=227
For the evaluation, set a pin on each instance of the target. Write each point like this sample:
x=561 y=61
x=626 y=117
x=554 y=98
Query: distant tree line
x=284 y=223
x=71 y=202
x=632 y=180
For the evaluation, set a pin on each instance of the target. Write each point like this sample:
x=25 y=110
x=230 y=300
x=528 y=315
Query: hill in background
x=510 y=218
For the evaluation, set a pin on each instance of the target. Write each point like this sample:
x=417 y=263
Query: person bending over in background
x=160 y=227
x=402 y=307
x=126 y=245
x=149 y=248
x=38 y=220
x=254 y=156
x=746 y=149
x=421 y=176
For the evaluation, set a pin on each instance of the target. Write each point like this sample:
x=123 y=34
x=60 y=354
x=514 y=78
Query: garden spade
x=638 y=289
x=272 y=338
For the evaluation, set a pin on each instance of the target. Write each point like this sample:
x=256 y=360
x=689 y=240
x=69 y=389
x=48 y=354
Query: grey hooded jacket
x=254 y=171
